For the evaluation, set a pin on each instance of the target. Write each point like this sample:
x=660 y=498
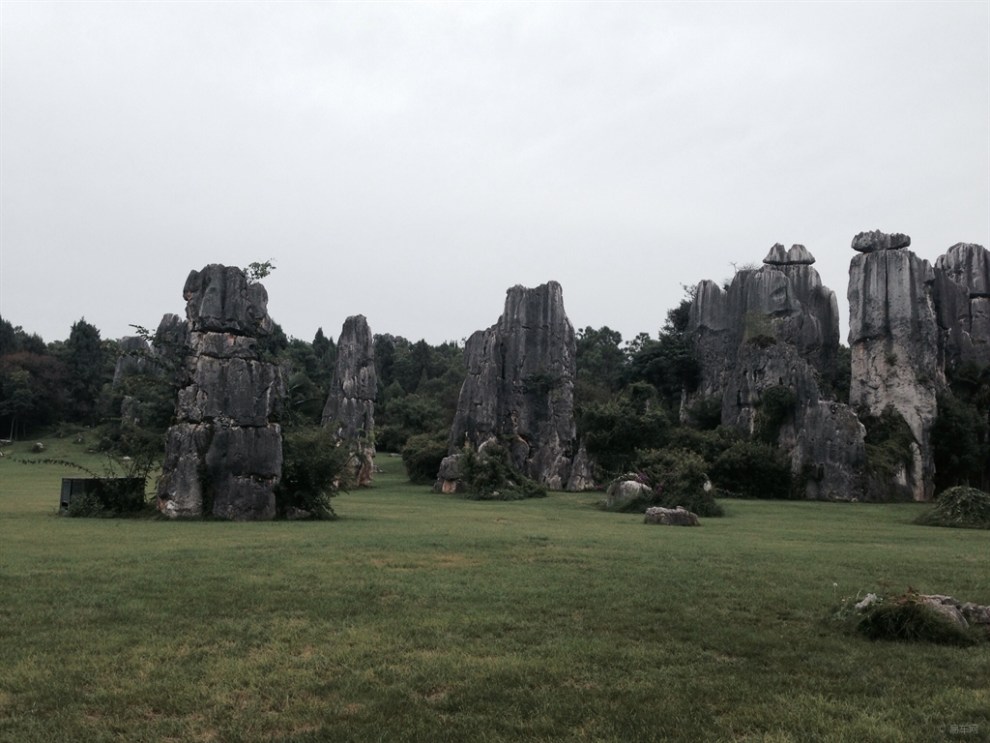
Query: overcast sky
x=412 y=161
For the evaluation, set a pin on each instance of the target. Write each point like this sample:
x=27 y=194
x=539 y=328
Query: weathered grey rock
x=449 y=476
x=893 y=340
x=350 y=406
x=224 y=454
x=520 y=386
x=947 y=606
x=964 y=614
x=582 y=472
x=623 y=493
x=870 y=242
x=962 y=300
x=220 y=299
x=133 y=359
x=798 y=255
x=671 y=516
x=781 y=302
x=829 y=452
x=778 y=326
x=244 y=392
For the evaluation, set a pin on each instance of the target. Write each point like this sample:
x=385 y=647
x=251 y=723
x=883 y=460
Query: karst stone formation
x=223 y=455
x=350 y=406
x=520 y=390
x=767 y=344
x=777 y=327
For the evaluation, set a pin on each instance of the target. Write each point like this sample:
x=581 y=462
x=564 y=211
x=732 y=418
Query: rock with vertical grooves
x=519 y=387
x=224 y=454
x=962 y=299
x=893 y=341
x=350 y=406
x=778 y=327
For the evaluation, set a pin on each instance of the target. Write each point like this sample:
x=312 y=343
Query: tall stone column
x=223 y=456
x=520 y=387
x=350 y=406
x=893 y=340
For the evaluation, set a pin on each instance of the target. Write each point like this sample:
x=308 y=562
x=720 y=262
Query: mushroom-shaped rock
x=871 y=242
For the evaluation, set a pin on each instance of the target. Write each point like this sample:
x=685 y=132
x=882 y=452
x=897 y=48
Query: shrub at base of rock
x=962 y=507
x=487 y=474
x=636 y=493
x=312 y=467
x=918 y=617
x=423 y=456
x=679 y=478
x=670 y=517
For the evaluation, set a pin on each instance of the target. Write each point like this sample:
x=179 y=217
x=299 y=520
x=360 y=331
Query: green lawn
x=425 y=617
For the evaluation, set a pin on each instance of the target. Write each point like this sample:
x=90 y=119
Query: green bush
x=313 y=464
x=960 y=442
x=708 y=444
x=489 y=475
x=706 y=413
x=888 y=445
x=678 y=478
x=613 y=431
x=750 y=469
x=960 y=506
x=777 y=403
x=422 y=455
x=908 y=619
x=85 y=506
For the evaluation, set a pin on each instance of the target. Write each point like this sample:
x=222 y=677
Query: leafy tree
x=31 y=392
x=8 y=338
x=600 y=359
x=325 y=351
x=668 y=363
x=613 y=431
x=422 y=455
x=961 y=432
x=751 y=469
x=418 y=387
x=89 y=365
x=312 y=468
x=678 y=478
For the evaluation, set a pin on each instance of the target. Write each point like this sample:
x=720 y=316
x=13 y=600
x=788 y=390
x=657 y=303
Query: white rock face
x=893 y=340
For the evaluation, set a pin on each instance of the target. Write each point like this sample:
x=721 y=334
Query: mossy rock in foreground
x=962 y=507
x=910 y=620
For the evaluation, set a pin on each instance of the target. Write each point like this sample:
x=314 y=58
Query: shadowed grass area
x=424 y=617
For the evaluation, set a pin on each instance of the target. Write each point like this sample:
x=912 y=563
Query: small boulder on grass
x=627 y=494
x=671 y=516
x=962 y=507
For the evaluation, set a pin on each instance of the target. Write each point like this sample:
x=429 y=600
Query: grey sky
x=410 y=162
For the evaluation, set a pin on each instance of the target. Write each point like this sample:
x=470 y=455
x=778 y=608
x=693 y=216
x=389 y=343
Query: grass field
x=420 y=617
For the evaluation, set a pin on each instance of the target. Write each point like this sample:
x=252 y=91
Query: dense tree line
x=44 y=384
x=627 y=400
